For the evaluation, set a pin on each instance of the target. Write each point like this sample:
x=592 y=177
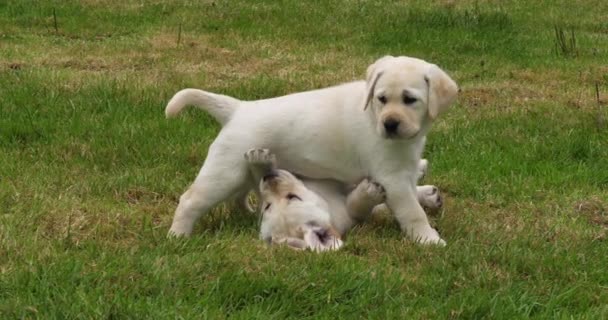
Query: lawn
x=91 y=171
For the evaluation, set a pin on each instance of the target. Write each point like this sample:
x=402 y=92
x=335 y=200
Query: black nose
x=391 y=125
x=269 y=176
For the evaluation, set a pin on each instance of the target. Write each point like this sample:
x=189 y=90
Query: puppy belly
x=319 y=170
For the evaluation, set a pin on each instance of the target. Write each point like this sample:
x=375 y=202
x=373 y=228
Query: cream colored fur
x=374 y=128
x=307 y=213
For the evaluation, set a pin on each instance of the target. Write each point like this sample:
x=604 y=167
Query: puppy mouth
x=391 y=135
x=398 y=136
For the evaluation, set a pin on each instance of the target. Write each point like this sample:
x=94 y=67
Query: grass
x=90 y=171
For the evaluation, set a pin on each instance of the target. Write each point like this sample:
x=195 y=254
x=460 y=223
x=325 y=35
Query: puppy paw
x=260 y=156
x=429 y=197
x=426 y=235
x=177 y=233
x=372 y=191
x=423 y=166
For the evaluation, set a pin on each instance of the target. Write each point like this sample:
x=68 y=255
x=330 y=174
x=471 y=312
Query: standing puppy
x=372 y=128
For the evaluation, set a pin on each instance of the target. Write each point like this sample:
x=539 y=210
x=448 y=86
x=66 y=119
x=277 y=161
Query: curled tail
x=219 y=106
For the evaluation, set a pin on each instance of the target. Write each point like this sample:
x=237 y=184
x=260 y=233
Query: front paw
x=372 y=191
x=259 y=156
x=426 y=236
x=177 y=232
x=429 y=197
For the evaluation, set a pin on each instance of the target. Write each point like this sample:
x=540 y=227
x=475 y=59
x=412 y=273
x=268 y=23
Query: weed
x=565 y=44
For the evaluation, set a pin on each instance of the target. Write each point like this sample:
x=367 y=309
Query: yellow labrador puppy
x=374 y=128
x=307 y=213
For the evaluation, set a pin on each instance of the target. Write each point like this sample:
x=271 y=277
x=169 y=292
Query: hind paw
x=372 y=191
x=429 y=197
x=260 y=156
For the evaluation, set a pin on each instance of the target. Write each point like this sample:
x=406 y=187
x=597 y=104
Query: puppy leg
x=219 y=178
x=423 y=167
x=429 y=197
x=364 y=198
x=403 y=202
x=242 y=201
x=261 y=162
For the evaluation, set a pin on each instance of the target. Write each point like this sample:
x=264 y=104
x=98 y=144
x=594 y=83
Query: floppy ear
x=370 y=90
x=442 y=91
x=372 y=78
x=322 y=239
x=371 y=70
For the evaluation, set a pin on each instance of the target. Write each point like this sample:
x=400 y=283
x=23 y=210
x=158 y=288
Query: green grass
x=90 y=171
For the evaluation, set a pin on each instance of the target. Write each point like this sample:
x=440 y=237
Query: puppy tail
x=219 y=106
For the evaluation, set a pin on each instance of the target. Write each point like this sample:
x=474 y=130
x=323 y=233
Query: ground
x=91 y=171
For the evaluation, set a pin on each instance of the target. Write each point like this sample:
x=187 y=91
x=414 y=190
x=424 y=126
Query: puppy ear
x=371 y=70
x=372 y=78
x=370 y=90
x=442 y=91
x=320 y=239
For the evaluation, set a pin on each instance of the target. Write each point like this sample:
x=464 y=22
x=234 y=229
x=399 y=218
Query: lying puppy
x=372 y=128
x=294 y=214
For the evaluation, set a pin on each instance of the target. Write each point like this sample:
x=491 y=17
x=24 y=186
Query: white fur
x=307 y=213
x=314 y=214
x=325 y=134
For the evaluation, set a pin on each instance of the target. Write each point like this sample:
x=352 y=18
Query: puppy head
x=295 y=215
x=403 y=92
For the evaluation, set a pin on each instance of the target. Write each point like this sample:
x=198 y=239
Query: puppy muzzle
x=400 y=133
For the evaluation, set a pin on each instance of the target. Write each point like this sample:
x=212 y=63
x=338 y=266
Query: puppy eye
x=382 y=99
x=291 y=196
x=267 y=207
x=409 y=100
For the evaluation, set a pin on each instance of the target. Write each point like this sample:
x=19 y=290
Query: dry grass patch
x=230 y=57
x=220 y=63
x=116 y=225
x=525 y=89
x=538 y=222
x=222 y=60
x=594 y=210
x=129 y=4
